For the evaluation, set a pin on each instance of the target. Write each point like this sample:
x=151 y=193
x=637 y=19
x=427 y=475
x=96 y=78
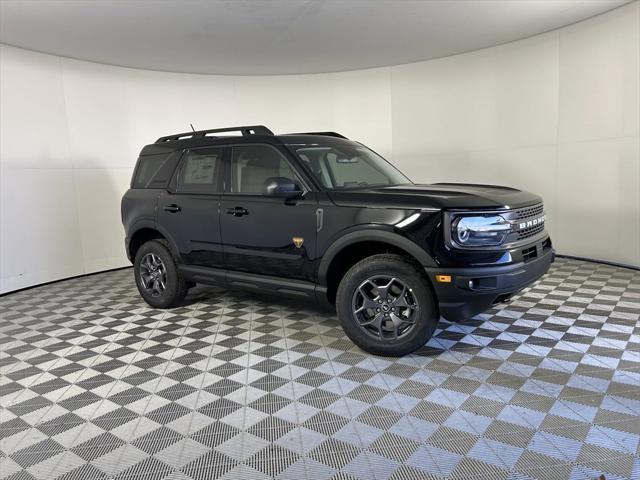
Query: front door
x=265 y=235
x=190 y=212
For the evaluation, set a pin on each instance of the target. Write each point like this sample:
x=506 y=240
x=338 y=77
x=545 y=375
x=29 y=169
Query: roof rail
x=246 y=130
x=323 y=134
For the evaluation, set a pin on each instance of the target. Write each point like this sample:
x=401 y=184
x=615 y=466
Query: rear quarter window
x=153 y=171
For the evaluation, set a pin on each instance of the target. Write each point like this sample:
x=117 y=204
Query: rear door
x=261 y=234
x=189 y=212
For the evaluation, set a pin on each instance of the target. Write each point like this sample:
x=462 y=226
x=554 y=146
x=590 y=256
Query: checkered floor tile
x=96 y=385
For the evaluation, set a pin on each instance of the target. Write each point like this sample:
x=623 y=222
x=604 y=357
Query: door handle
x=173 y=208
x=237 y=211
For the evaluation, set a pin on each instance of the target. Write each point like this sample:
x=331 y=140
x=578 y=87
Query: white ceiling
x=277 y=36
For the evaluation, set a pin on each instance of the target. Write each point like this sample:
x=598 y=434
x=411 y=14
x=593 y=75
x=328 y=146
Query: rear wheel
x=385 y=305
x=157 y=277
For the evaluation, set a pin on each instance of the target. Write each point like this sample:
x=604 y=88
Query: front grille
x=530 y=232
x=529 y=212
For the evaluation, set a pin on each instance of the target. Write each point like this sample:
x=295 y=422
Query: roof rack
x=246 y=130
x=323 y=134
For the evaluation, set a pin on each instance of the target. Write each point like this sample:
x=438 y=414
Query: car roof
x=250 y=135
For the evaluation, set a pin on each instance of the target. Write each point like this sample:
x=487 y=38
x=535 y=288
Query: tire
x=175 y=287
x=390 y=282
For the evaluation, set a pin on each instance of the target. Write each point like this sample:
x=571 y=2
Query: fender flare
x=132 y=230
x=370 y=233
x=150 y=225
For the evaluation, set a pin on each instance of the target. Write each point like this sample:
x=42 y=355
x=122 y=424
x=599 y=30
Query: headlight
x=480 y=231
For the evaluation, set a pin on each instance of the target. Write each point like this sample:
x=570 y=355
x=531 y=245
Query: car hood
x=438 y=195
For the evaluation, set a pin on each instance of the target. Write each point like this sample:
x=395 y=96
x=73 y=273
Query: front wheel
x=385 y=305
x=157 y=277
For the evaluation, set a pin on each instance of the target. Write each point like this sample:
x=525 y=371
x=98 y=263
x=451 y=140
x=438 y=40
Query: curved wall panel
x=557 y=114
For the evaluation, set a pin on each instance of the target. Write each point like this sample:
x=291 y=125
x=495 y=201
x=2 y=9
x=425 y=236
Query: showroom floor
x=97 y=385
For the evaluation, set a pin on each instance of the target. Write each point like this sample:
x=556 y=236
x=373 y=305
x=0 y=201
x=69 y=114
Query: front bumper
x=475 y=290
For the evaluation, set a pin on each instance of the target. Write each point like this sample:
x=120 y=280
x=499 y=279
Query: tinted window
x=148 y=167
x=200 y=171
x=252 y=165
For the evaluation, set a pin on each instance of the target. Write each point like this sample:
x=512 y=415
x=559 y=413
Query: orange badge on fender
x=298 y=241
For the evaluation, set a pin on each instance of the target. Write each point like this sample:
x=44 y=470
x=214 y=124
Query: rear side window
x=200 y=171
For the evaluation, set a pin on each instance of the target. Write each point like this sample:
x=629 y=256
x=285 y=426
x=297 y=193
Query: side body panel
x=138 y=208
x=263 y=241
x=347 y=225
x=195 y=229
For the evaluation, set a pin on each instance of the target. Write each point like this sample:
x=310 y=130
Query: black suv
x=320 y=217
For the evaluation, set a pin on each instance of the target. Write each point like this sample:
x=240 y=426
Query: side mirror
x=282 y=187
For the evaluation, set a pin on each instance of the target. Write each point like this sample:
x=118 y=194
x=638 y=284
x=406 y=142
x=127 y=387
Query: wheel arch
x=142 y=234
x=356 y=245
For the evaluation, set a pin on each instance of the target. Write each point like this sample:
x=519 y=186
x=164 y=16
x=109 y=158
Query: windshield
x=348 y=165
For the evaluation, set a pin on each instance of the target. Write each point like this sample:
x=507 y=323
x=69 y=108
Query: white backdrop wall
x=558 y=114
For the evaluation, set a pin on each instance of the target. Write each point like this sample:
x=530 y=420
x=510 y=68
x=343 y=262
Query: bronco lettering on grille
x=532 y=223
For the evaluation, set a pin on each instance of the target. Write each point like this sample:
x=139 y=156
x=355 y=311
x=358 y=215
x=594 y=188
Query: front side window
x=253 y=165
x=200 y=171
x=348 y=165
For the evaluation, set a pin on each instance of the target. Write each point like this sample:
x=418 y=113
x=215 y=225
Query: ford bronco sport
x=317 y=216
